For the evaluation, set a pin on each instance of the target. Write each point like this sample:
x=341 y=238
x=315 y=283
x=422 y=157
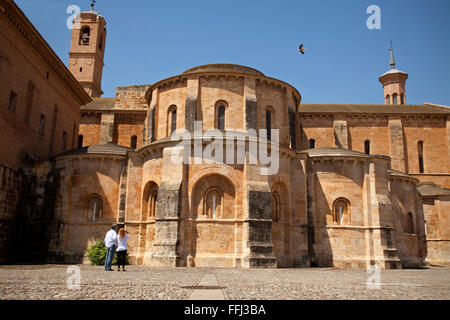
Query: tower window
x=402 y=98
x=12 y=101
x=420 y=155
x=133 y=142
x=394 y=98
x=100 y=44
x=81 y=69
x=85 y=36
x=388 y=99
x=42 y=125
x=269 y=124
x=221 y=118
x=80 y=141
x=367 y=147
x=312 y=143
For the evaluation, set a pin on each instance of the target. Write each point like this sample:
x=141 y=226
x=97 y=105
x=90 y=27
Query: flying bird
x=301 y=49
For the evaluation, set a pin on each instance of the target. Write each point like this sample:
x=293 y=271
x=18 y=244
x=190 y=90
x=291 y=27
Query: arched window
x=388 y=99
x=402 y=98
x=410 y=223
x=133 y=142
x=275 y=206
x=341 y=209
x=80 y=141
x=173 y=117
x=367 y=147
x=269 y=124
x=221 y=118
x=150 y=200
x=85 y=35
x=420 y=155
x=212 y=203
x=171 y=120
x=151 y=204
x=312 y=143
x=94 y=208
x=394 y=98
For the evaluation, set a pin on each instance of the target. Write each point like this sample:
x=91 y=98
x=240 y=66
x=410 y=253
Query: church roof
x=393 y=71
x=428 y=189
x=99 y=104
x=223 y=67
x=373 y=108
x=109 y=149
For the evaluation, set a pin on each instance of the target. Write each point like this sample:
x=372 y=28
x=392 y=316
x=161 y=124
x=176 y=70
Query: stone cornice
x=38 y=44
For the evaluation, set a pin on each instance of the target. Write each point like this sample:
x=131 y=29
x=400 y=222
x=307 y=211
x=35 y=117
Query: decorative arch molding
x=341 y=211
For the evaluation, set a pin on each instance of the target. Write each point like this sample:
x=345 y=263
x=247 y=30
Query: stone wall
x=10 y=184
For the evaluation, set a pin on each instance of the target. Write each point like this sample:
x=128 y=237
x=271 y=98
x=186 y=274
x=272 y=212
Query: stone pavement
x=142 y=282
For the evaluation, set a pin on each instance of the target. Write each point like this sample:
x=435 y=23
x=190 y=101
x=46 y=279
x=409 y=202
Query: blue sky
x=150 y=40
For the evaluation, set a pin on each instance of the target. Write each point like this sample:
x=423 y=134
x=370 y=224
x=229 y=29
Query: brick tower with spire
x=393 y=83
x=88 y=50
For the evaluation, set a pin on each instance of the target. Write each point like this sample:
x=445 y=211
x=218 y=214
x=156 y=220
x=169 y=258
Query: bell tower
x=393 y=83
x=87 y=51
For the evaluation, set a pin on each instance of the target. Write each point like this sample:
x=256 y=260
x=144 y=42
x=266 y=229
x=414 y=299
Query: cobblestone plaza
x=49 y=282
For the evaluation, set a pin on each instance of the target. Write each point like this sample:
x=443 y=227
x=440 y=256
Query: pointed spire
x=392 y=61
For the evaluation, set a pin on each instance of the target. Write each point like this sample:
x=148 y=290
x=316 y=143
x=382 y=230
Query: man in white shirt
x=111 y=245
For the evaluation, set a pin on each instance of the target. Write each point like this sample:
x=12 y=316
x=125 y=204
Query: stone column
x=250 y=103
x=151 y=125
x=340 y=131
x=258 y=247
x=397 y=148
x=167 y=228
x=107 y=128
x=378 y=217
x=191 y=103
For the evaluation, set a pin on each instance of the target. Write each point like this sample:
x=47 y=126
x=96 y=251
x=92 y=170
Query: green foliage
x=97 y=254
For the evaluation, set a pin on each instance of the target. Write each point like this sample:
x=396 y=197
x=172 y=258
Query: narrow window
x=81 y=69
x=84 y=36
x=394 y=98
x=80 y=141
x=367 y=147
x=94 y=207
x=388 y=99
x=47 y=76
x=152 y=202
x=275 y=206
x=341 y=211
x=133 y=142
x=221 y=118
x=100 y=44
x=213 y=203
x=420 y=154
x=269 y=124
x=312 y=143
x=12 y=101
x=64 y=141
x=42 y=125
x=402 y=98
x=410 y=223
x=174 y=121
